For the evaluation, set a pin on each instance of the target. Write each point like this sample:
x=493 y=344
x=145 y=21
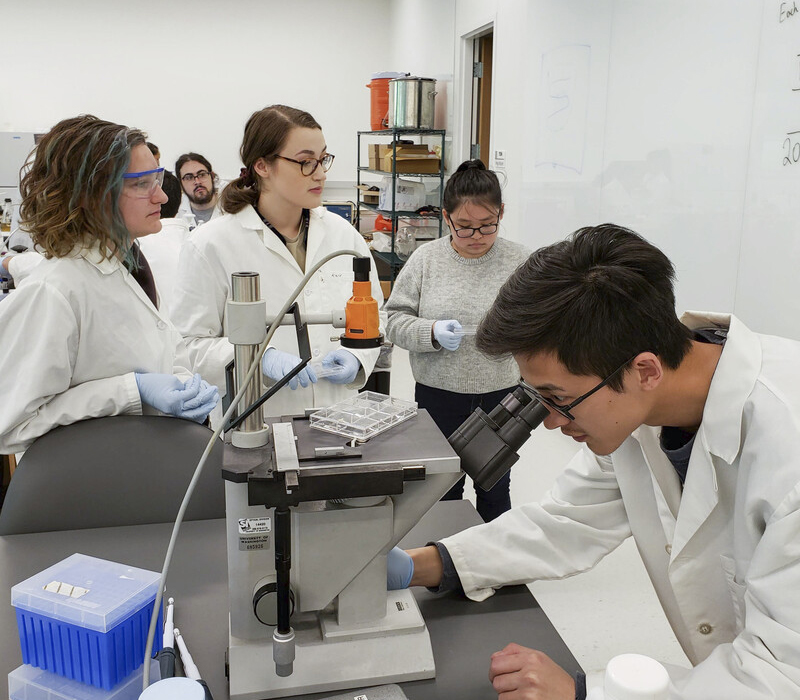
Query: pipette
x=189 y=668
x=166 y=657
x=466 y=330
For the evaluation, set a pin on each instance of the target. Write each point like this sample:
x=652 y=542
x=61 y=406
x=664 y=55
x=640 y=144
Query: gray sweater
x=438 y=284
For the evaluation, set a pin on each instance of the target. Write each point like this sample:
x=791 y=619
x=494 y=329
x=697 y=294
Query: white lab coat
x=162 y=250
x=22 y=264
x=723 y=555
x=74 y=332
x=185 y=210
x=239 y=242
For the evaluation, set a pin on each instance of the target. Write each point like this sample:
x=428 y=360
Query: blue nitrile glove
x=198 y=408
x=346 y=364
x=399 y=569
x=168 y=394
x=4 y=273
x=276 y=364
x=445 y=334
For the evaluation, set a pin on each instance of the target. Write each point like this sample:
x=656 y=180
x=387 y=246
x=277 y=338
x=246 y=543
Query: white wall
x=677 y=116
x=664 y=94
x=191 y=73
x=423 y=43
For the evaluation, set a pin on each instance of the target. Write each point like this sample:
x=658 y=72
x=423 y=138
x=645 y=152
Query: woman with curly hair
x=83 y=336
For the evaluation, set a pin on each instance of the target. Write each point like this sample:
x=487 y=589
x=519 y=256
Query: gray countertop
x=464 y=634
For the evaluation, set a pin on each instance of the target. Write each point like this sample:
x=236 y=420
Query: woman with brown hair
x=275 y=225
x=83 y=336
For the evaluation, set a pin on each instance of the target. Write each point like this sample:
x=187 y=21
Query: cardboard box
x=373 y=153
x=369 y=196
x=408 y=164
x=411 y=158
x=386 y=288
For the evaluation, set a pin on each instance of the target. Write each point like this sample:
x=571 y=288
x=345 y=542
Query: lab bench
x=464 y=634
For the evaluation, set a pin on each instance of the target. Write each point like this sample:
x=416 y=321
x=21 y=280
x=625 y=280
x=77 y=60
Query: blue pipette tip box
x=31 y=683
x=86 y=619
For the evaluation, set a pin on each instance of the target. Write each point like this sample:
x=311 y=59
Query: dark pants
x=449 y=410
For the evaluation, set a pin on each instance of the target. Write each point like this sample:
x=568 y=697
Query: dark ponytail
x=264 y=136
x=472 y=182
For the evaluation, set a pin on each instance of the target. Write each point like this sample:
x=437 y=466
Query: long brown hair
x=264 y=136
x=70 y=186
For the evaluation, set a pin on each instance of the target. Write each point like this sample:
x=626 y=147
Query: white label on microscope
x=252 y=526
x=253 y=542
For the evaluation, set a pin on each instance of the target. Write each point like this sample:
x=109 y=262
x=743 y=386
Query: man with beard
x=199 y=183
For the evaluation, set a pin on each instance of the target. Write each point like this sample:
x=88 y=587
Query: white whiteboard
x=767 y=291
x=669 y=118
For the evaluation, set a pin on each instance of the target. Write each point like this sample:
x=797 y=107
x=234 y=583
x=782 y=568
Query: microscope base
x=367 y=655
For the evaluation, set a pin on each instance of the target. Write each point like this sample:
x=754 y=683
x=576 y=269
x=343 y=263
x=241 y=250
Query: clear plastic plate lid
x=28 y=682
x=87 y=591
x=363 y=416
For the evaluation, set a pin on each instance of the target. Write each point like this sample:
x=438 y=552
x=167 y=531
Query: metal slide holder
x=246 y=314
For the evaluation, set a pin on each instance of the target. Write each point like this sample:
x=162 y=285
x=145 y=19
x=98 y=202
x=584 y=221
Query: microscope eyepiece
x=488 y=443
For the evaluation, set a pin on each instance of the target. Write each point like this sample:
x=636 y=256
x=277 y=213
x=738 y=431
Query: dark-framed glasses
x=469 y=232
x=566 y=411
x=309 y=167
x=199 y=175
x=142 y=185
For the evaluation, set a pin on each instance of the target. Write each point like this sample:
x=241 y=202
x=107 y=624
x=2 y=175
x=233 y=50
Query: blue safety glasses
x=142 y=185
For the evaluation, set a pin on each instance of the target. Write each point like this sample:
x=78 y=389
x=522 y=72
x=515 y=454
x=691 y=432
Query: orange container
x=379 y=99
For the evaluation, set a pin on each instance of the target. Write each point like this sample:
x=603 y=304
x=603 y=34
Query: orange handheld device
x=361 y=313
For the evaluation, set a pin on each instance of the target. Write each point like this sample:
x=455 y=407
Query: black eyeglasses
x=565 y=410
x=469 y=232
x=309 y=167
x=199 y=175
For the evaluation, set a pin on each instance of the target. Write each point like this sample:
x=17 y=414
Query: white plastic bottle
x=633 y=677
x=174 y=689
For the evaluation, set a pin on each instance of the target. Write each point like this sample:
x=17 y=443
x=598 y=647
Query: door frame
x=462 y=142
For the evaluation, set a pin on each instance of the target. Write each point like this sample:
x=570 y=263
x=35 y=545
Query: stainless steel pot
x=411 y=103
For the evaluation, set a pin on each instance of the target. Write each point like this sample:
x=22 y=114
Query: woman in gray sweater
x=443 y=290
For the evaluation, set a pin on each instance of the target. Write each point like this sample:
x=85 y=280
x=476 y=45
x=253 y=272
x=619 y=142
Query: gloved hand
x=399 y=569
x=198 y=408
x=276 y=364
x=193 y=399
x=443 y=332
x=4 y=261
x=346 y=364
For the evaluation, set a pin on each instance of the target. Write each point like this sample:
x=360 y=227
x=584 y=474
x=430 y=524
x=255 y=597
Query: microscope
x=311 y=516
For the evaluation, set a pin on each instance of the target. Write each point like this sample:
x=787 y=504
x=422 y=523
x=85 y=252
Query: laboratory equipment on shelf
x=6 y=217
x=387 y=160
